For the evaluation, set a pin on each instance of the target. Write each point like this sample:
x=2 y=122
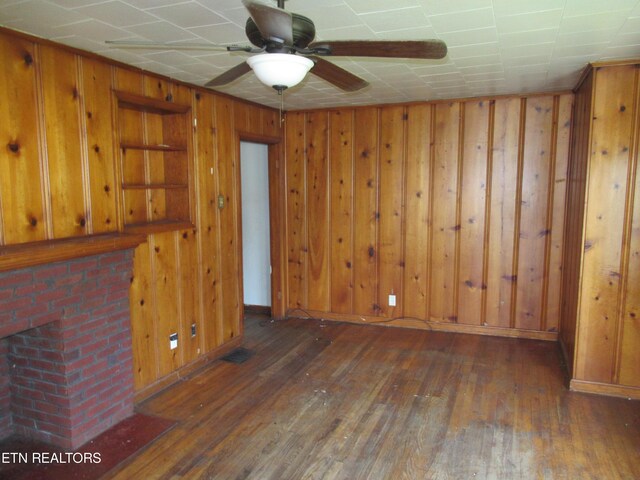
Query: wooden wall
x=455 y=207
x=59 y=178
x=602 y=288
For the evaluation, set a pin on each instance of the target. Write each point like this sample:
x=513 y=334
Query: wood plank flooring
x=328 y=400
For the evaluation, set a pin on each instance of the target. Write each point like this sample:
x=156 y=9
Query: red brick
x=111 y=258
x=12 y=279
x=6 y=293
x=94 y=369
x=50 y=296
x=16 y=303
x=32 y=311
x=31 y=288
x=82 y=265
x=50 y=271
x=70 y=279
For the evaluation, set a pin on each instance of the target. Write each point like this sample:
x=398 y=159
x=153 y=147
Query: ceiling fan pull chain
x=281 y=93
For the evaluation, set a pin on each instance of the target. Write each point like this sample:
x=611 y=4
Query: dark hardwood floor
x=328 y=400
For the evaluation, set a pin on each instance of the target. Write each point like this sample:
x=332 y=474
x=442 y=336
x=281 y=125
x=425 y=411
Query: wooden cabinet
x=155 y=163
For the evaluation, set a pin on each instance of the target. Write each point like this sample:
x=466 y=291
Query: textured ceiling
x=495 y=46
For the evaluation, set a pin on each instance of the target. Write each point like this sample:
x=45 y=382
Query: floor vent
x=239 y=355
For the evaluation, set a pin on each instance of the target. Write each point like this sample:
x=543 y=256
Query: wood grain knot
x=28 y=59
x=33 y=221
x=169 y=98
x=14 y=147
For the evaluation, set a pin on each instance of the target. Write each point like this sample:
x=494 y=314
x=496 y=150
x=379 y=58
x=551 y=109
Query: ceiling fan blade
x=273 y=23
x=426 y=49
x=229 y=76
x=170 y=46
x=338 y=76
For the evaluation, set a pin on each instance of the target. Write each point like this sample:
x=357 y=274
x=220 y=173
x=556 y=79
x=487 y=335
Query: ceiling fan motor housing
x=304 y=31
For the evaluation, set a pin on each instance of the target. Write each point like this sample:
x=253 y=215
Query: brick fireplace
x=65 y=348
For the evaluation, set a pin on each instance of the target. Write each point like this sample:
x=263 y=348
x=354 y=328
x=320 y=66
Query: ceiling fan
x=284 y=42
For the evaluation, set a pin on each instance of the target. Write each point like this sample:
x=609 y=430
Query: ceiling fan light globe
x=280 y=69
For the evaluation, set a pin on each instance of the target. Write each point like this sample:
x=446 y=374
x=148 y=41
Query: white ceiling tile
x=161 y=32
x=632 y=25
x=334 y=17
x=171 y=58
x=528 y=37
x=529 y=21
x=518 y=7
x=481 y=68
x=627 y=39
x=152 y=3
x=520 y=51
x=585 y=38
x=462 y=21
x=226 y=33
x=357 y=32
x=579 y=50
x=36 y=13
x=469 y=37
x=418 y=33
x=96 y=29
x=621 y=51
x=588 y=23
x=188 y=15
x=370 y=6
x=395 y=20
x=586 y=7
x=478 y=60
x=117 y=13
x=532 y=60
x=465 y=51
x=80 y=42
x=438 y=7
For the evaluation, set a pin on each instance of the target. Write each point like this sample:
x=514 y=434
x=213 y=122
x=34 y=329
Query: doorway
x=256 y=247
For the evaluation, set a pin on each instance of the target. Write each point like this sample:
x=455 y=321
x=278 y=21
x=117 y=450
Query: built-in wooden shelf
x=23 y=255
x=155 y=135
x=156 y=227
x=157 y=148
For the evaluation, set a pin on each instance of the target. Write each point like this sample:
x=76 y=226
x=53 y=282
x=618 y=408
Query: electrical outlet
x=173 y=341
x=392 y=300
x=193 y=329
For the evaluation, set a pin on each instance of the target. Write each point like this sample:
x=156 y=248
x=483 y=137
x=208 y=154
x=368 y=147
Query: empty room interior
x=255 y=239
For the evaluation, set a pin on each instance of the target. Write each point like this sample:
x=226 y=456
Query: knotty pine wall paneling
x=417 y=207
x=62 y=172
x=458 y=210
x=365 y=213
x=601 y=288
x=24 y=217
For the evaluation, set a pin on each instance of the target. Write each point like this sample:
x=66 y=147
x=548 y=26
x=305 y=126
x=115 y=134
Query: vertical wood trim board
x=458 y=210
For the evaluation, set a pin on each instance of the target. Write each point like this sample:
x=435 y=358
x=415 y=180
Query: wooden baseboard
x=186 y=370
x=258 y=310
x=597 y=388
x=427 y=325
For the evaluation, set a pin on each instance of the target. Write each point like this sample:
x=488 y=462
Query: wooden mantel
x=23 y=255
